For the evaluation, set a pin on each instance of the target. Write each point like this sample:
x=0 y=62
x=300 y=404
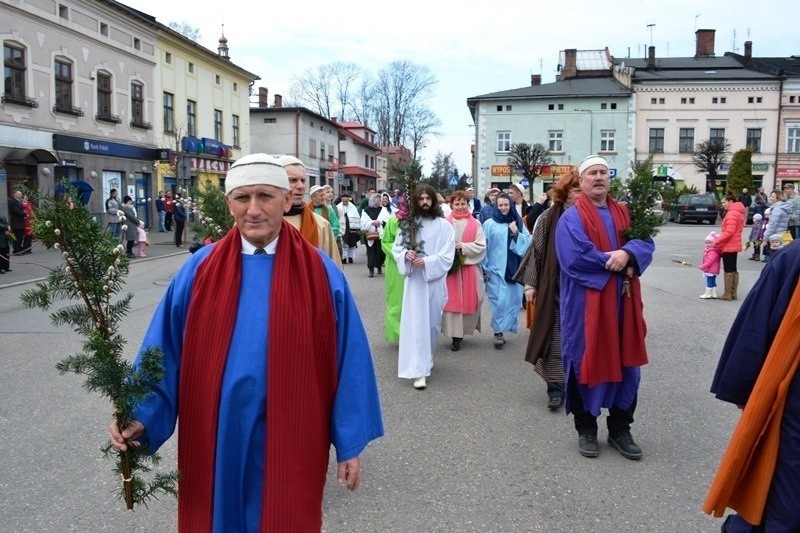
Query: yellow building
x=202 y=116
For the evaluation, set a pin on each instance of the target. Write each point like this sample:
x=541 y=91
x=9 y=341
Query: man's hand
x=349 y=473
x=418 y=262
x=618 y=260
x=530 y=294
x=121 y=439
x=411 y=255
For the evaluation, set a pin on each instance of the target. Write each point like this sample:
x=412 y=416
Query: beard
x=425 y=211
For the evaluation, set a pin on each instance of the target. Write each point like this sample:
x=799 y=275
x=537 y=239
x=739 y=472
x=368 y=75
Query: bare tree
x=530 y=158
x=708 y=156
x=403 y=89
x=185 y=29
x=422 y=123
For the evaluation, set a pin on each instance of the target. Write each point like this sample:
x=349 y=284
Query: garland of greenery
x=94 y=267
x=211 y=215
x=408 y=224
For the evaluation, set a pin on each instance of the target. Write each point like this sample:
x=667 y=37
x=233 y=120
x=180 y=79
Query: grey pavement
x=477 y=450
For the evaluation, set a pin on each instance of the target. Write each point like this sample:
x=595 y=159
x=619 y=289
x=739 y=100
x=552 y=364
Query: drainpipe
x=778 y=136
x=297 y=134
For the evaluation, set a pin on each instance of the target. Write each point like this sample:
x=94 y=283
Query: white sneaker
x=420 y=383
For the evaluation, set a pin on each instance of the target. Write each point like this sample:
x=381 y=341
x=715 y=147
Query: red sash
x=302 y=380
x=610 y=346
x=462 y=286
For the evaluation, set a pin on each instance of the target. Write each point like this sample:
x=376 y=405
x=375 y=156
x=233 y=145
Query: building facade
x=78 y=98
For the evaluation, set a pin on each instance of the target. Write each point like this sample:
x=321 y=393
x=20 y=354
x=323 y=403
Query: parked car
x=658 y=204
x=694 y=207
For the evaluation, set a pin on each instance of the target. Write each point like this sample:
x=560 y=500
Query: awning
x=354 y=170
x=37 y=156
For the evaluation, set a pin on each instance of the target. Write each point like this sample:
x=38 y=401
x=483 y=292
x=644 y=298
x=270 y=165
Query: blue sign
x=453 y=181
x=524 y=182
x=612 y=172
x=98 y=147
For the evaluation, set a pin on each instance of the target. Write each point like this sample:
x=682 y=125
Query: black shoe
x=2 y=271
x=456 y=344
x=350 y=260
x=372 y=274
x=130 y=255
x=555 y=403
x=626 y=446
x=587 y=445
x=499 y=341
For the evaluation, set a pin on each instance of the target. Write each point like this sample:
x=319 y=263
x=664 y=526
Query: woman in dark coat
x=5 y=249
x=540 y=273
x=131 y=223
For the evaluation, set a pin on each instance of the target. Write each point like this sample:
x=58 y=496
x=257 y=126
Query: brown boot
x=728 y=278
x=735 y=285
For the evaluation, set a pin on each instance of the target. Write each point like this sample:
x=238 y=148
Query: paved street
x=477 y=451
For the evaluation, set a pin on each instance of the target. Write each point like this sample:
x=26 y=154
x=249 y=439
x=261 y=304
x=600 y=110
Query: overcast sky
x=473 y=47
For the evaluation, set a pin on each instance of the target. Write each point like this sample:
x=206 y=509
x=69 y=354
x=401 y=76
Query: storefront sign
x=504 y=170
x=202 y=164
x=68 y=163
x=560 y=170
x=759 y=167
x=786 y=172
x=98 y=147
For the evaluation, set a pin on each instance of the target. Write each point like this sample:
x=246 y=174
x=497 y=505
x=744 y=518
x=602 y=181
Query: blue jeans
x=161 y=216
x=114 y=228
x=711 y=281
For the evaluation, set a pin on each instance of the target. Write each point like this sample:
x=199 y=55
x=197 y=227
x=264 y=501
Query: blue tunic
x=505 y=298
x=743 y=355
x=241 y=431
x=582 y=270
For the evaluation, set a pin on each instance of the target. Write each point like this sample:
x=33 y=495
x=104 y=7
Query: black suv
x=694 y=207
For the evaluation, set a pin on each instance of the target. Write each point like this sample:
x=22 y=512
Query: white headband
x=256 y=169
x=592 y=160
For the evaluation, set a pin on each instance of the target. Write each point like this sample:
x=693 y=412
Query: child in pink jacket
x=710 y=266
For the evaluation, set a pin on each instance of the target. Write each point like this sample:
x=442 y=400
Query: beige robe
x=327 y=242
x=457 y=324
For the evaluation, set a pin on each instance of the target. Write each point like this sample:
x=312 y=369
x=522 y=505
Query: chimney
x=704 y=43
x=748 y=49
x=536 y=79
x=334 y=119
x=570 y=69
x=651 y=57
x=263 y=92
x=278 y=101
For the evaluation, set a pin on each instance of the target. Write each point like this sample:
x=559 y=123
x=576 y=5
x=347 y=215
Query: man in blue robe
x=602 y=341
x=738 y=380
x=275 y=399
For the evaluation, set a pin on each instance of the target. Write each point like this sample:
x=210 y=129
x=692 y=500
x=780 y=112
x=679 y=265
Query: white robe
x=424 y=296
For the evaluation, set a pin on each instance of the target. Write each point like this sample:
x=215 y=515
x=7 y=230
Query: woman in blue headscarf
x=507 y=240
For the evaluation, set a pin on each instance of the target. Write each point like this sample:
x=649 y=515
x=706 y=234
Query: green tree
x=443 y=167
x=740 y=175
x=707 y=157
x=211 y=215
x=642 y=195
x=530 y=158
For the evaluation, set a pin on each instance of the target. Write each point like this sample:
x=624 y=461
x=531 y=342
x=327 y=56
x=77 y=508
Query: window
x=613 y=106
x=503 y=141
x=137 y=43
x=218 y=79
x=104 y=29
x=653 y=100
x=715 y=100
x=687 y=100
x=607 y=140
x=791 y=99
x=191 y=118
x=168 y=58
x=661 y=100
x=499 y=108
x=137 y=102
x=551 y=107
x=63 y=77
x=793 y=139
x=103 y=94
x=322 y=151
x=270 y=120
x=508 y=108
x=330 y=153
x=312 y=148
x=342 y=158
x=169 y=112
x=656 y=140
x=235 y=125
x=753 y=139
x=561 y=107
x=758 y=99
x=191 y=68
x=13 y=71
x=556 y=141
x=754 y=99
x=716 y=133
x=722 y=100
x=63 y=11
x=686 y=140
x=218 y=125
x=235 y=87
x=603 y=106
x=366 y=161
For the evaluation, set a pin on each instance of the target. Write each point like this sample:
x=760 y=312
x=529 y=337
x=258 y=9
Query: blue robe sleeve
x=579 y=258
x=755 y=326
x=520 y=245
x=356 y=416
x=159 y=410
x=642 y=251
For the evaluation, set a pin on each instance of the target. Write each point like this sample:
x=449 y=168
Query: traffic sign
x=524 y=182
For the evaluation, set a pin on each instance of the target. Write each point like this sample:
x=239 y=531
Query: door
x=141 y=200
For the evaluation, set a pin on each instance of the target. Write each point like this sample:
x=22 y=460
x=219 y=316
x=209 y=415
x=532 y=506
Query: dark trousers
x=375 y=255
x=168 y=221
x=27 y=244
x=179 y=232
x=5 y=264
x=19 y=235
x=555 y=389
x=729 y=261
x=794 y=231
x=129 y=246
x=618 y=420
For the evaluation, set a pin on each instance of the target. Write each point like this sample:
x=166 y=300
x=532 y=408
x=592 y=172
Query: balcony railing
x=108 y=117
x=141 y=125
x=9 y=98
x=68 y=110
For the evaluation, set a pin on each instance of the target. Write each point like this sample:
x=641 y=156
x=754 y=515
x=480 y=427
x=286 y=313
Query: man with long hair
x=424 y=251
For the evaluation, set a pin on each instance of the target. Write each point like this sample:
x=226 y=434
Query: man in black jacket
x=16 y=214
